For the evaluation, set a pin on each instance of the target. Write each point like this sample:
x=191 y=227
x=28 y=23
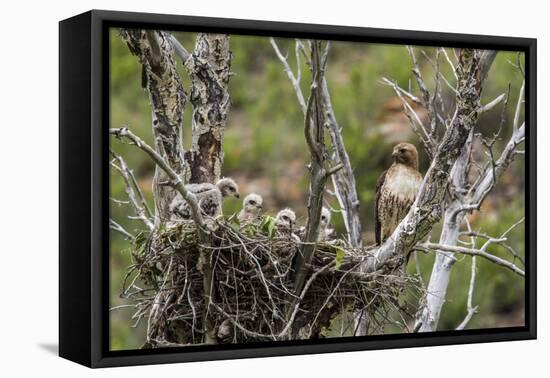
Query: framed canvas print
x=234 y=188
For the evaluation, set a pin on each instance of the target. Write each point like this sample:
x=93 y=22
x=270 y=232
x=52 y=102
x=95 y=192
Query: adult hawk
x=396 y=190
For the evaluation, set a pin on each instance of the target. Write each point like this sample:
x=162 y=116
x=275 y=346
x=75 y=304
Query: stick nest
x=249 y=273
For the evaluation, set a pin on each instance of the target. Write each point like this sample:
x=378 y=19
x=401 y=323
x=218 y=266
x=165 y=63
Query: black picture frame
x=83 y=229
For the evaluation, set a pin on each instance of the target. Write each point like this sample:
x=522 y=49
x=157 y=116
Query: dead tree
x=167 y=98
x=211 y=283
x=462 y=196
x=208 y=68
x=209 y=71
x=320 y=171
x=467 y=197
x=343 y=180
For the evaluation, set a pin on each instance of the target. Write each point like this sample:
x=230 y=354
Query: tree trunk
x=429 y=313
x=444 y=261
x=441 y=272
x=160 y=78
x=314 y=135
x=209 y=71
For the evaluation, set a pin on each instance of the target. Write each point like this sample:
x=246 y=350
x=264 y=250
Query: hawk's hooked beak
x=394 y=154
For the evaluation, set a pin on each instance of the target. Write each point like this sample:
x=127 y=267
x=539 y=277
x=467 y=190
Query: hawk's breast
x=403 y=183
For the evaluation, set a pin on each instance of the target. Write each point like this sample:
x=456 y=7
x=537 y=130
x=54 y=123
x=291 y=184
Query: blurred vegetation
x=266 y=153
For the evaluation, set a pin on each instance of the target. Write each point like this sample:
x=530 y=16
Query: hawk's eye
x=285 y=218
x=323 y=218
x=402 y=150
x=252 y=203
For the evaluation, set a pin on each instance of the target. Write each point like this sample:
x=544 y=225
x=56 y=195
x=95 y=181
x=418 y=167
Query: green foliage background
x=266 y=152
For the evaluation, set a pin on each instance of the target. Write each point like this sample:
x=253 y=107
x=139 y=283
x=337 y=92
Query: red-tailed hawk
x=250 y=213
x=284 y=222
x=326 y=233
x=396 y=190
x=210 y=198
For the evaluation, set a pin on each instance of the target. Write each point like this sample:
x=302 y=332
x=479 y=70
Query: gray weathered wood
x=167 y=96
x=209 y=71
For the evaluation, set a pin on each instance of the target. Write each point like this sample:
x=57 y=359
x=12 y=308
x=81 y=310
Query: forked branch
x=175 y=180
x=133 y=191
x=343 y=180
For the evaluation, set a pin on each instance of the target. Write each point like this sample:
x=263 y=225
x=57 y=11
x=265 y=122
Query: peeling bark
x=168 y=98
x=209 y=70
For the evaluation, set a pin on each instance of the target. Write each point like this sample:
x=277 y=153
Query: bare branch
x=302 y=49
x=505 y=233
x=118 y=228
x=135 y=195
x=333 y=170
x=298 y=64
x=308 y=129
x=451 y=64
x=470 y=251
x=491 y=105
x=519 y=106
x=519 y=65
x=436 y=96
x=486 y=61
x=344 y=180
x=428 y=100
x=437 y=76
x=179 y=49
x=397 y=88
x=501 y=240
x=294 y=79
x=324 y=57
x=471 y=310
x=176 y=181
x=414 y=119
x=418 y=75
x=483 y=187
x=314 y=133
